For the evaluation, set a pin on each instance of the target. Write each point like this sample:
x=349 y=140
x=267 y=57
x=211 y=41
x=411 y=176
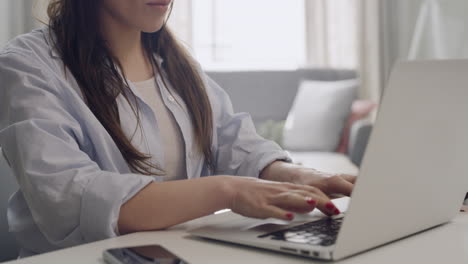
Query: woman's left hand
x=330 y=184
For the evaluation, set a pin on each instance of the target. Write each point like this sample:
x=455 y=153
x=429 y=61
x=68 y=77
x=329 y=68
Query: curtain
x=4 y=27
x=15 y=18
x=332 y=33
x=441 y=31
x=20 y=16
x=370 y=49
x=422 y=29
x=397 y=23
x=392 y=30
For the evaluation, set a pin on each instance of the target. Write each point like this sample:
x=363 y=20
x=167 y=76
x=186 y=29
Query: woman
x=109 y=126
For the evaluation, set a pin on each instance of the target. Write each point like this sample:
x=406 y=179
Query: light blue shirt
x=72 y=177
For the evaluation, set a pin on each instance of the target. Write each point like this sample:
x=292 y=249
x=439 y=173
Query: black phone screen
x=153 y=254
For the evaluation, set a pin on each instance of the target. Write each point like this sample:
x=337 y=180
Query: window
x=246 y=34
x=269 y=34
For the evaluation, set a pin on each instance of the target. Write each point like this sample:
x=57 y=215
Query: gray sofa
x=270 y=97
x=270 y=93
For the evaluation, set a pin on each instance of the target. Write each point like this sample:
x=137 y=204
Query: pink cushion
x=359 y=110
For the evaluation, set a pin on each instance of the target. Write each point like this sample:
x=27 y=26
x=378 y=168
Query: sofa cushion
x=318 y=115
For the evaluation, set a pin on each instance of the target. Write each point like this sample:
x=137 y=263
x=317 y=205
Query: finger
x=298 y=202
x=335 y=196
x=325 y=205
x=278 y=213
x=323 y=202
x=302 y=187
x=338 y=185
x=349 y=178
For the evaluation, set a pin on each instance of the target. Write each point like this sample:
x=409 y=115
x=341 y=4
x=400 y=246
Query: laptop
x=413 y=176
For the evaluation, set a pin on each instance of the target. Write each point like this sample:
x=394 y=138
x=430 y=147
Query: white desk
x=444 y=244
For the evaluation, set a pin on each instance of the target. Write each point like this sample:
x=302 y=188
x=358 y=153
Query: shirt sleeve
x=240 y=150
x=71 y=200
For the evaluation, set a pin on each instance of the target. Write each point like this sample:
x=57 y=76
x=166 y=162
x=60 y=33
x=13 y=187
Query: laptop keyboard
x=322 y=232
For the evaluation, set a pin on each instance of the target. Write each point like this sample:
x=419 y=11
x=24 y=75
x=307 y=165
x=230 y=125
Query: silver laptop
x=413 y=176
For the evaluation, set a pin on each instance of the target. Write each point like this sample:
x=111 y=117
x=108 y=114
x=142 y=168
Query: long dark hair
x=74 y=25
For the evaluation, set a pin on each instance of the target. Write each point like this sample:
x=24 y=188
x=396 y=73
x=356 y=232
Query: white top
x=174 y=150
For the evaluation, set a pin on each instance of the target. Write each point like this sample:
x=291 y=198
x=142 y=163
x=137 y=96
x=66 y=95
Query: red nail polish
x=311 y=202
x=330 y=206
x=290 y=216
x=337 y=212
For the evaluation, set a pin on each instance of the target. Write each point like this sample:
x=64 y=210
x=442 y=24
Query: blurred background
x=310 y=72
x=364 y=35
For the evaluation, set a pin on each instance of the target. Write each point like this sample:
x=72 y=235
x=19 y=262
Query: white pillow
x=318 y=115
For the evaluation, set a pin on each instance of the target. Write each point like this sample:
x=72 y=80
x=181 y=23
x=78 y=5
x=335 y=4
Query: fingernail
x=330 y=206
x=290 y=216
x=337 y=211
x=311 y=202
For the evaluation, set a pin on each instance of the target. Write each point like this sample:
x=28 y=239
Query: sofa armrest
x=358 y=138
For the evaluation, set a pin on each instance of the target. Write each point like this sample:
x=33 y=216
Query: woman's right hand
x=263 y=199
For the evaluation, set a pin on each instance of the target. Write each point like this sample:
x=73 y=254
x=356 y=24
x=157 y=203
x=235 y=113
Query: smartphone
x=154 y=254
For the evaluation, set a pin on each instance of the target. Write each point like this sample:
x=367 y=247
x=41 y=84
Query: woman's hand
x=330 y=184
x=263 y=199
